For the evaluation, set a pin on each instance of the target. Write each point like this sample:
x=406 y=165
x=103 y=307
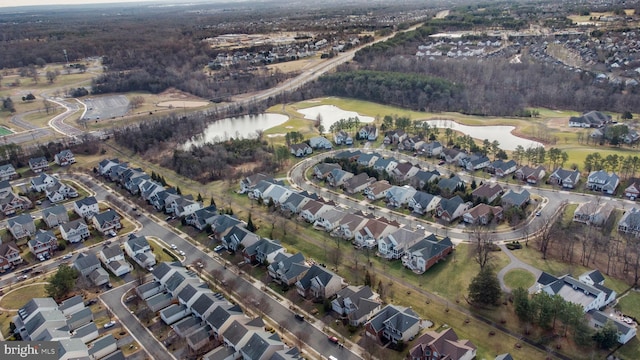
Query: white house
x=74 y=231
x=87 y=207
x=138 y=248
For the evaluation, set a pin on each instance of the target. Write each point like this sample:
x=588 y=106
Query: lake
x=331 y=114
x=500 y=133
x=244 y=127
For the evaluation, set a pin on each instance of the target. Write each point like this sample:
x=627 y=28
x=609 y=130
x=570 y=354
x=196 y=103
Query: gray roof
x=163 y=268
x=138 y=243
x=451 y=205
x=220 y=315
x=117 y=355
x=505 y=356
x=71 y=346
x=516 y=199
x=70 y=302
x=186 y=323
x=74 y=225
x=191 y=290
x=85 y=261
x=602 y=318
x=450 y=183
x=106 y=216
x=161 y=298
x=423 y=198
x=258 y=343
x=388 y=316
x=205 y=301
x=316 y=272
x=56 y=210
x=265 y=246
x=286 y=354
x=430 y=247
x=34 y=305
x=88 y=201
x=42 y=236
x=235 y=332
x=285 y=263
x=102 y=343
x=503 y=165
x=595 y=275
x=173 y=309
x=85 y=330
x=112 y=251
x=563 y=174
x=219 y=353
x=22 y=219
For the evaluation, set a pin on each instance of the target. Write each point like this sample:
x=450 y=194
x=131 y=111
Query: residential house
x=86 y=333
x=592 y=277
x=148 y=188
x=393 y=323
x=329 y=220
x=404 y=171
x=450 y=185
x=565 y=178
x=115 y=173
x=105 y=165
x=590 y=297
x=64 y=158
x=55 y=215
x=443 y=345
x=102 y=347
x=337 y=177
x=601 y=181
x=276 y=194
x=86 y=263
x=263 y=251
x=133 y=182
x=74 y=231
x=313 y=209
x=300 y=150
x=320 y=142
x=631 y=137
x=482 y=214
x=385 y=164
x=11 y=203
x=239 y=236
x=358 y=183
x=42 y=181
x=183 y=206
x=427 y=252
x=342 y=138
x=221 y=226
x=294 y=203
x=287 y=269
x=598 y=319
x=202 y=217
x=262 y=345
x=592 y=119
x=432 y=148
x=262 y=187
x=422 y=202
x=349 y=225
x=203 y=306
x=474 y=162
x=224 y=317
x=368 y=160
x=357 y=304
x=322 y=170
x=161 y=201
x=394 y=137
x=319 y=283
x=99 y=276
x=21 y=226
x=148 y=289
x=9 y=255
x=487 y=192
x=630 y=222
x=138 y=248
x=368 y=132
x=502 y=168
x=453 y=156
x=593 y=212
x=86 y=208
x=422 y=177
x=394 y=245
x=106 y=221
x=373 y=232
x=531 y=175
x=43 y=243
x=173 y=313
x=38 y=164
x=451 y=209
x=7 y=172
x=59 y=192
x=377 y=190
x=632 y=191
x=400 y=195
x=113 y=258
x=512 y=198
x=249 y=182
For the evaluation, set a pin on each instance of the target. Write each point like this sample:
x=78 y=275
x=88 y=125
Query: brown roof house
x=443 y=345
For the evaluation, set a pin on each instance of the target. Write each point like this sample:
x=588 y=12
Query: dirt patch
x=561 y=124
x=172 y=93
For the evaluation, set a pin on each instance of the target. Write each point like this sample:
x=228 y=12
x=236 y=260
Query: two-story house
x=239 y=235
x=565 y=178
x=262 y=251
x=55 y=215
x=106 y=221
x=21 y=226
x=487 y=192
x=87 y=207
x=368 y=132
x=64 y=158
x=319 y=283
x=394 y=245
x=377 y=190
x=602 y=181
x=393 y=323
x=531 y=175
x=451 y=209
x=43 y=243
x=7 y=172
x=593 y=213
x=9 y=255
x=287 y=269
x=422 y=202
x=357 y=304
x=74 y=231
x=138 y=248
x=113 y=258
x=425 y=253
x=322 y=170
x=42 y=181
x=38 y=164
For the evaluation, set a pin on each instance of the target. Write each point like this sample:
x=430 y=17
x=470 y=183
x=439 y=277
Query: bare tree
x=336 y=257
x=483 y=241
x=301 y=339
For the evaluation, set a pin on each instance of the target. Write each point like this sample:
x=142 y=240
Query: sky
x=8 y=3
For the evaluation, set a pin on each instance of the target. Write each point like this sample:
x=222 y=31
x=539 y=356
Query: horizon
x=36 y=3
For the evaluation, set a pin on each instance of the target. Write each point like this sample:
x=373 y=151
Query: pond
x=500 y=133
x=331 y=114
x=244 y=127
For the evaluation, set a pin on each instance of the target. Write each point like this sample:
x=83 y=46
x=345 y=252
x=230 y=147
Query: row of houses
x=40 y=163
x=138 y=182
x=364 y=230
x=588 y=291
x=37 y=165
x=11 y=202
x=55 y=190
x=201 y=317
x=70 y=323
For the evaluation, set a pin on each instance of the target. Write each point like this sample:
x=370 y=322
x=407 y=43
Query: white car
x=173 y=246
x=109 y=324
x=218 y=248
x=68 y=256
x=419 y=227
x=182 y=253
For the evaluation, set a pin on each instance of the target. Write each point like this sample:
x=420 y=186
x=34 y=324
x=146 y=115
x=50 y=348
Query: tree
x=483 y=241
x=250 y=226
x=627 y=115
x=485 y=287
x=52 y=76
x=62 y=282
x=523 y=307
x=136 y=102
x=48 y=106
x=607 y=337
x=29 y=97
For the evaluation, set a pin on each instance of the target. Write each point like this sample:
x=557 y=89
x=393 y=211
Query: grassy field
x=519 y=278
x=15 y=299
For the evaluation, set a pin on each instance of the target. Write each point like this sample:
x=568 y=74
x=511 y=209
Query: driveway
x=514 y=264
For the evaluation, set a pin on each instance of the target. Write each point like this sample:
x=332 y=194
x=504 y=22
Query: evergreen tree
x=522 y=304
x=199 y=199
x=607 y=337
x=485 y=287
x=367 y=279
x=212 y=202
x=178 y=191
x=62 y=282
x=250 y=226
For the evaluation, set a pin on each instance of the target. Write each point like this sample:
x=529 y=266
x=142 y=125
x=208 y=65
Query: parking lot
x=106 y=107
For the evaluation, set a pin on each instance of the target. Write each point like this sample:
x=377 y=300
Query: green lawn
x=5 y=131
x=161 y=256
x=15 y=299
x=519 y=278
x=630 y=304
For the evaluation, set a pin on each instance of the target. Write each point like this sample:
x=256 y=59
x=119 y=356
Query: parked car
x=109 y=324
x=441 y=162
x=419 y=227
x=182 y=253
x=299 y=317
x=67 y=256
x=334 y=339
x=173 y=246
x=112 y=233
x=218 y=248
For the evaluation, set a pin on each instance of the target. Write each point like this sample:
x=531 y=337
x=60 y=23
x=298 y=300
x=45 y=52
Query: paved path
x=514 y=264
